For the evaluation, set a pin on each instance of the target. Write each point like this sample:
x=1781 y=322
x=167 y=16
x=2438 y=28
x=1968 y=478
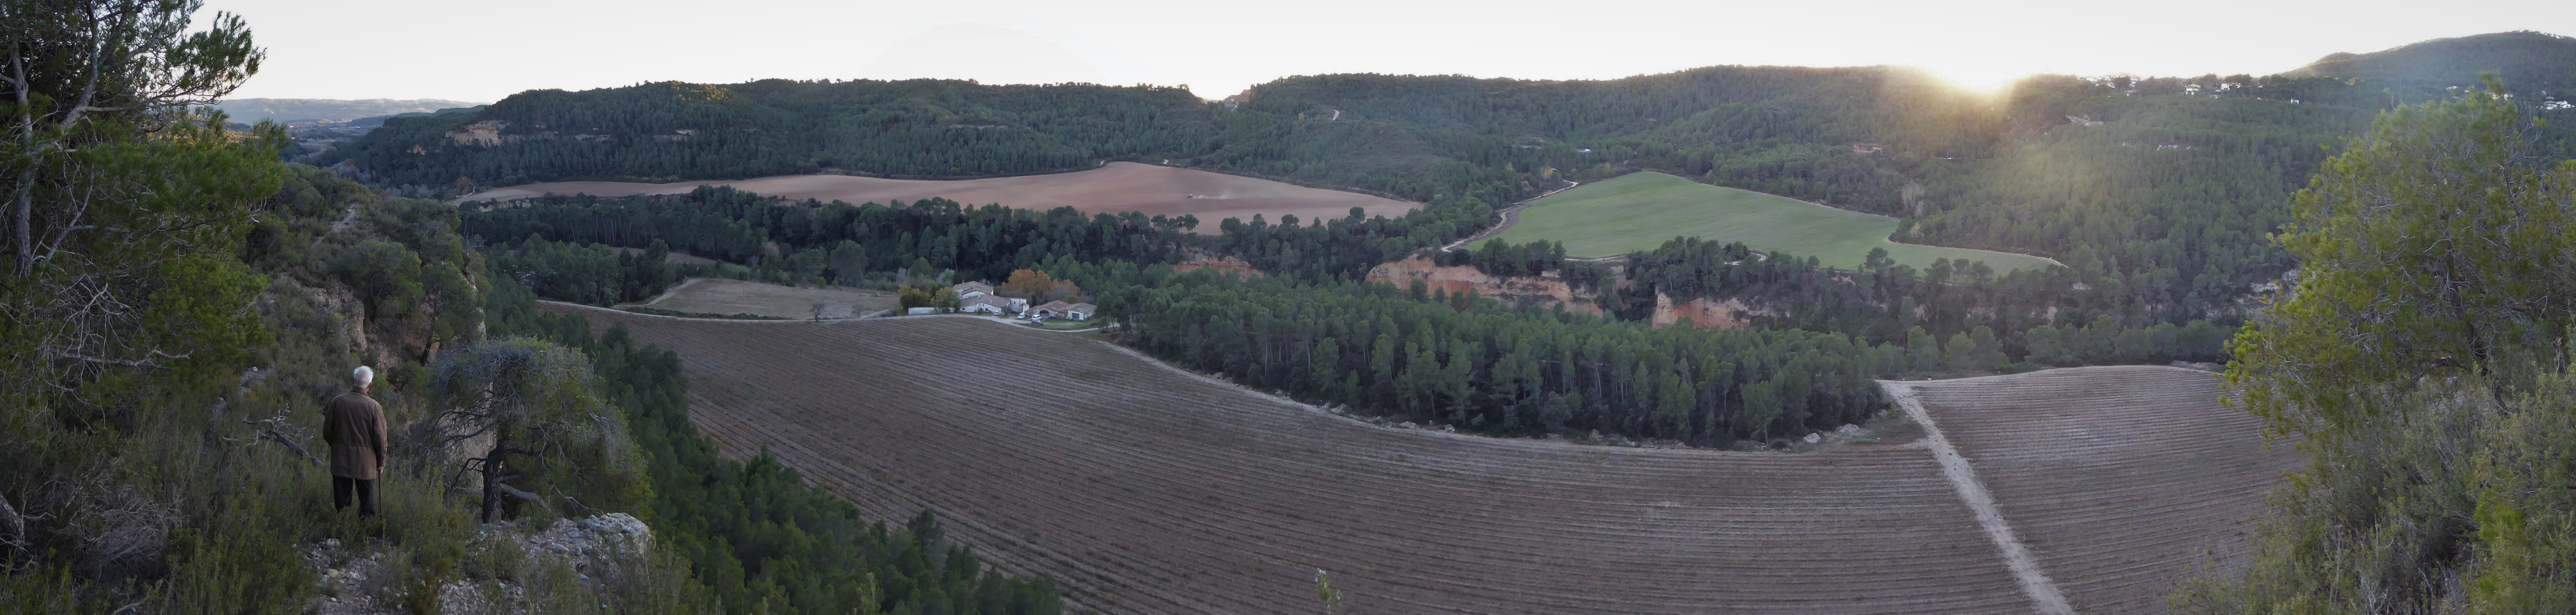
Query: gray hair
x=365 y=376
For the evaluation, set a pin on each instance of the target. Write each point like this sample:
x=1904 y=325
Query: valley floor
x=1144 y=490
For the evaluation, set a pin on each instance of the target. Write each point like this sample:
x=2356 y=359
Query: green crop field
x=1640 y=211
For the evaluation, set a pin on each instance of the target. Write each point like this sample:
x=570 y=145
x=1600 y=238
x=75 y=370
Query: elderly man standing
x=355 y=427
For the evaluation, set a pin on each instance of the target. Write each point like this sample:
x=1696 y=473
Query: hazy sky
x=482 y=50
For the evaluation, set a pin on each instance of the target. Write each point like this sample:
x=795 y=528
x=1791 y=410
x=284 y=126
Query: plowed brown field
x=724 y=297
x=1113 y=188
x=2120 y=479
x=1143 y=489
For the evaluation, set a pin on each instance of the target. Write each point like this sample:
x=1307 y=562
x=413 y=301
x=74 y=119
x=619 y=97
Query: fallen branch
x=577 y=504
x=271 y=432
x=150 y=360
x=515 y=492
x=13 y=528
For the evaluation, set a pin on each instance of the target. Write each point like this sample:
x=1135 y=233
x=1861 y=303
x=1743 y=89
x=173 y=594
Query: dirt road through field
x=1963 y=477
x=2122 y=480
x=1505 y=218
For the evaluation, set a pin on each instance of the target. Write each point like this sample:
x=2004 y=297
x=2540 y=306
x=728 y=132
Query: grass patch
x=1640 y=211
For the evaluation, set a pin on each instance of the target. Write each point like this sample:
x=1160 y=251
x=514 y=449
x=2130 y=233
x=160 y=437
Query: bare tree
x=123 y=211
x=70 y=61
x=13 y=531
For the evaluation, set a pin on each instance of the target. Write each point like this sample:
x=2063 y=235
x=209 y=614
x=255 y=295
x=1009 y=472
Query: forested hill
x=669 y=131
x=1787 y=130
x=2528 y=61
x=1421 y=138
x=2161 y=187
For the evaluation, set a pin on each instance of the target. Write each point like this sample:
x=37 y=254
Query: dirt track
x=1142 y=490
x=2117 y=477
x=1963 y=478
x=1504 y=219
x=1112 y=188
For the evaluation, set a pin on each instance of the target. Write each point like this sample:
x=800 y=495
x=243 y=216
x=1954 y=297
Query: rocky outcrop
x=1550 y=290
x=596 y=543
x=1543 y=290
x=597 y=550
x=485 y=133
x=1703 y=313
x=378 y=341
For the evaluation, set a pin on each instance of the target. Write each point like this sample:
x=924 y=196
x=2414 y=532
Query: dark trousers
x=342 y=487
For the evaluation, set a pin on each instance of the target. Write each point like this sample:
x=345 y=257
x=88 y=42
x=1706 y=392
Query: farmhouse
x=972 y=290
x=984 y=303
x=1072 y=311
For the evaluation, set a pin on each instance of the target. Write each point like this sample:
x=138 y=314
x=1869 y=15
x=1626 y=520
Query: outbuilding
x=1069 y=311
x=992 y=304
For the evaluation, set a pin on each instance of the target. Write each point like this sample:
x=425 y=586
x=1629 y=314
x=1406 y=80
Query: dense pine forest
x=924 y=128
x=1477 y=366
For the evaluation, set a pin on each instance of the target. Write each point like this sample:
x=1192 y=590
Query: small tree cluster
x=1037 y=287
x=926 y=295
x=548 y=426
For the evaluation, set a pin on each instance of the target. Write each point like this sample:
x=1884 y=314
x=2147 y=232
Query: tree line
x=815 y=242
x=1882 y=301
x=1483 y=367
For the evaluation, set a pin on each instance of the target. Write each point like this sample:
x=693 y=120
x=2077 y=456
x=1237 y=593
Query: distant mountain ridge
x=252 y=110
x=2528 y=61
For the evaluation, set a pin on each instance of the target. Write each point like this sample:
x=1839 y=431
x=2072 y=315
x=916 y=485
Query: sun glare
x=1987 y=78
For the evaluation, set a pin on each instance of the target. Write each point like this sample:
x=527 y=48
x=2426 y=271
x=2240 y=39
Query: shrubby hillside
x=2421 y=362
x=177 y=304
